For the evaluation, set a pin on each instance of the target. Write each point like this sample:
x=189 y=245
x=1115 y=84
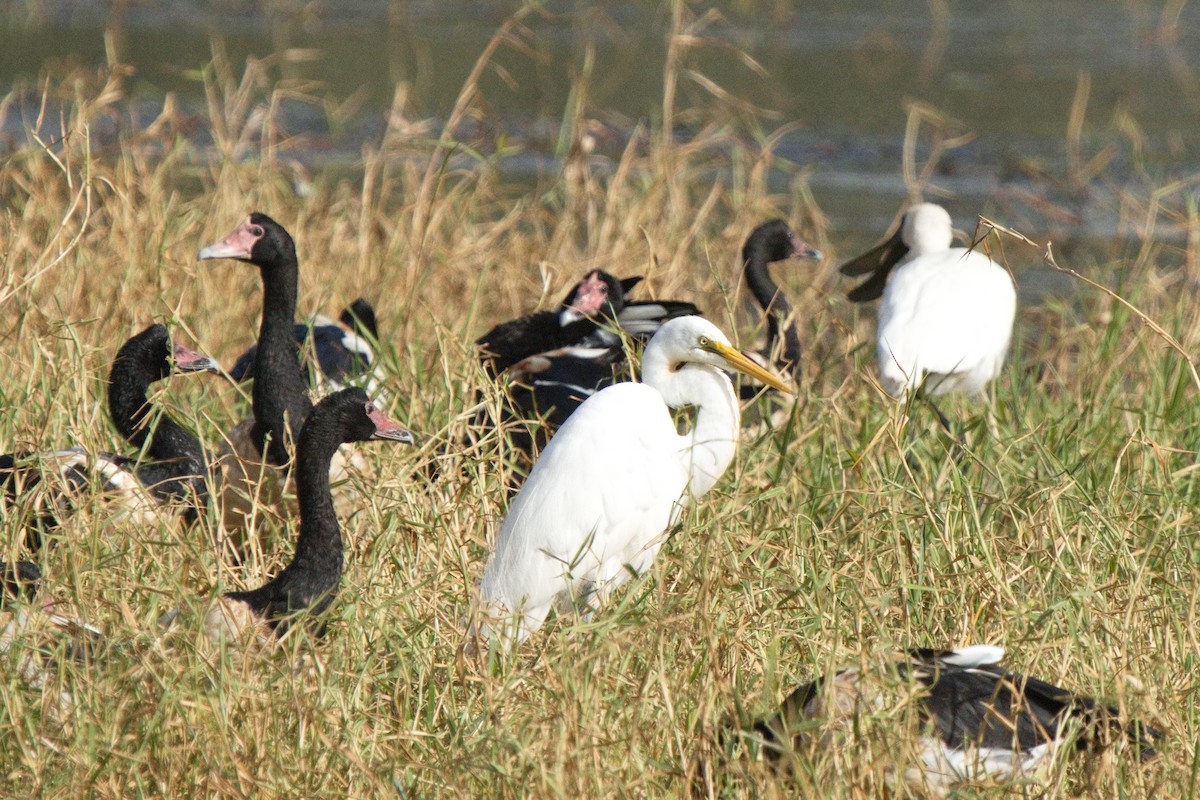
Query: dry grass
x=1070 y=537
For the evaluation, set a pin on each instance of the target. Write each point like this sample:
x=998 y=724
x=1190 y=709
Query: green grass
x=1069 y=537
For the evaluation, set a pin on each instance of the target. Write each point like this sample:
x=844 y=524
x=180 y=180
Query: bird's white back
x=949 y=315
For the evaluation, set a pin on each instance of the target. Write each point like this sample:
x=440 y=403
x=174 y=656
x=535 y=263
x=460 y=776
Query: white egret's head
x=695 y=340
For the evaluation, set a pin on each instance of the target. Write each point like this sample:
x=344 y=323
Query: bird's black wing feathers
x=509 y=342
x=989 y=706
x=629 y=283
x=870 y=289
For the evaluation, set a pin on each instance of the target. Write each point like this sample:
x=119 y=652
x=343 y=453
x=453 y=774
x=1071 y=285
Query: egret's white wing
x=601 y=493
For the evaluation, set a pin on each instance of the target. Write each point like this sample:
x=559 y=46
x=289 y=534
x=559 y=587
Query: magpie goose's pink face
x=187 y=360
x=239 y=244
x=386 y=427
x=593 y=297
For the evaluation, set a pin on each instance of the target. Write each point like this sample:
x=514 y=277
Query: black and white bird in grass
x=594 y=313
x=596 y=298
x=343 y=349
x=946 y=317
x=279 y=394
x=552 y=361
x=39 y=635
x=307 y=585
x=976 y=718
x=20 y=581
x=170 y=471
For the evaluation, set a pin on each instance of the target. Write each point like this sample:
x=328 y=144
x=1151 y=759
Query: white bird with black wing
x=597 y=504
x=976 y=718
x=947 y=313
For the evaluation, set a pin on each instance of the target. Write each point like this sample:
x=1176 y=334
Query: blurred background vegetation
x=1067 y=105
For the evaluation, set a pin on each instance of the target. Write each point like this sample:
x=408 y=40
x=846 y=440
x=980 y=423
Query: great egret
x=986 y=721
x=947 y=314
x=171 y=470
x=598 y=502
x=342 y=348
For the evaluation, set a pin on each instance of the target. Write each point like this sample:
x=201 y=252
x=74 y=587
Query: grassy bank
x=1069 y=537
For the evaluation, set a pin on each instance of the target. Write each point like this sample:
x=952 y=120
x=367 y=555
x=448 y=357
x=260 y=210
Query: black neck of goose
x=310 y=580
x=319 y=545
x=280 y=395
x=131 y=412
x=176 y=464
x=775 y=306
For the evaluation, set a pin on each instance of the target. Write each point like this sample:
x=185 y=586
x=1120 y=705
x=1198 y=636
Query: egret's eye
x=256 y=230
x=704 y=341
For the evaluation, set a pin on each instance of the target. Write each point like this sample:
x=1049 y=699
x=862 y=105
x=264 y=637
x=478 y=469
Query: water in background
x=839 y=72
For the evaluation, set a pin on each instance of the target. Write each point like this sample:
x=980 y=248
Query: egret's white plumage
x=597 y=504
x=947 y=313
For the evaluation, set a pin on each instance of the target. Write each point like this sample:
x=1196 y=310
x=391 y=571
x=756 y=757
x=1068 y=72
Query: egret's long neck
x=709 y=446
